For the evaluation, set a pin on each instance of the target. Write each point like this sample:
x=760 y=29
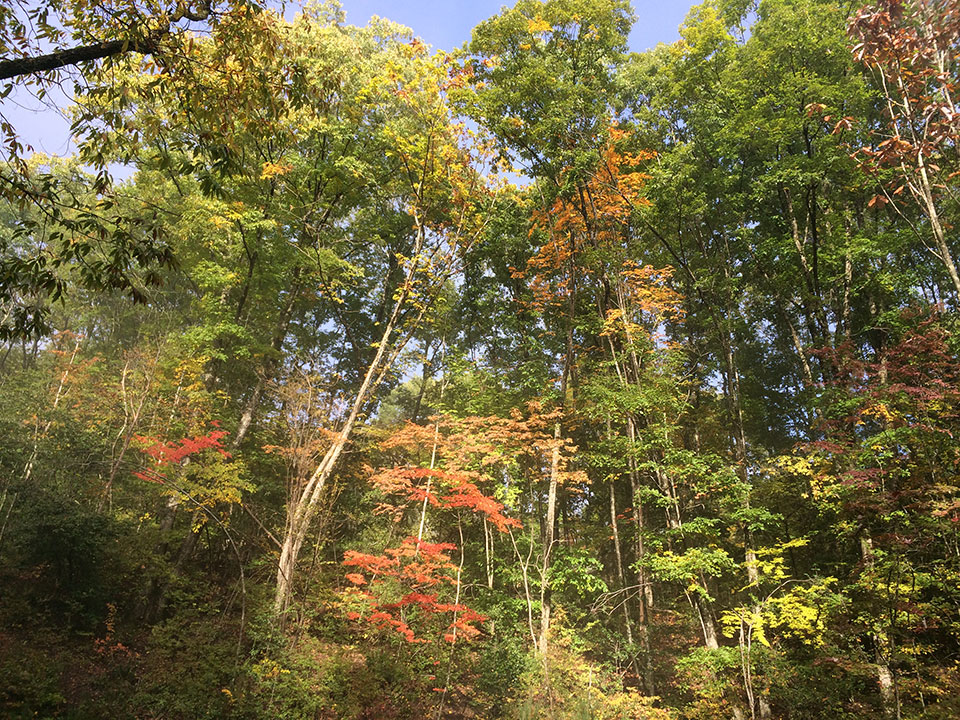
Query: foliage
x=534 y=380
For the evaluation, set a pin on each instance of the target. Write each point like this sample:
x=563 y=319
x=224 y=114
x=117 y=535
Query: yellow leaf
x=538 y=25
x=271 y=170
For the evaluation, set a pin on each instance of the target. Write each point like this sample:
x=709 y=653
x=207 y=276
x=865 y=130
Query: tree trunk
x=270 y=365
x=302 y=509
x=642 y=578
x=146 y=45
x=936 y=227
x=621 y=576
x=753 y=576
x=548 y=540
x=885 y=678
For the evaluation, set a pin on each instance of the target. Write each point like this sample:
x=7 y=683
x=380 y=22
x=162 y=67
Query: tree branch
x=97 y=51
x=61 y=58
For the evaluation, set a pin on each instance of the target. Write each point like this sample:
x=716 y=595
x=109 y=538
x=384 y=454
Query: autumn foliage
x=417 y=568
x=173 y=453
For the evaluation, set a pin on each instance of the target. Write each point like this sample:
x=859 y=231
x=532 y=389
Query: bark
x=271 y=365
x=922 y=191
x=786 y=201
x=303 y=508
x=9 y=507
x=456 y=602
x=639 y=518
x=567 y=379
x=548 y=540
x=735 y=413
x=707 y=624
x=425 y=376
x=939 y=236
x=488 y=552
x=885 y=677
x=847 y=283
x=621 y=576
x=525 y=573
x=131 y=421
x=760 y=700
x=62 y=58
x=433 y=464
x=58 y=396
x=700 y=605
x=147 y=45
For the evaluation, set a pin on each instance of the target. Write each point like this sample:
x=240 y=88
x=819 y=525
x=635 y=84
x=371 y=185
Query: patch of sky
x=43 y=122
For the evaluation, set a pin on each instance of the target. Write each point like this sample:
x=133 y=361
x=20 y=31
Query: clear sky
x=443 y=24
x=446 y=24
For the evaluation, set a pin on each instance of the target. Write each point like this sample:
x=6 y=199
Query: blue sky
x=443 y=24
x=446 y=24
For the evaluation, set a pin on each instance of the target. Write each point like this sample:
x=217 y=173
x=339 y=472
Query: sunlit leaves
x=543 y=107
x=419 y=570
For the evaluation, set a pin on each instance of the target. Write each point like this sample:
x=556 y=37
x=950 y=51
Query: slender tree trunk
x=456 y=603
x=885 y=678
x=801 y=354
x=303 y=508
x=936 y=227
x=760 y=699
x=548 y=541
x=642 y=578
x=707 y=623
x=735 y=411
x=58 y=396
x=621 y=576
x=270 y=365
x=425 y=375
x=645 y=675
x=847 y=284
x=549 y=535
x=131 y=421
x=433 y=463
x=488 y=552
x=922 y=192
x=525 y=574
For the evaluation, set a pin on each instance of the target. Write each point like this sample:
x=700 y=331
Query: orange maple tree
x=464 y=453
x=595 y=218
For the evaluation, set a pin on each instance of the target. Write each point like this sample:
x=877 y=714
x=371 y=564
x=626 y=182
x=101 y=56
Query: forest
x=345 y=378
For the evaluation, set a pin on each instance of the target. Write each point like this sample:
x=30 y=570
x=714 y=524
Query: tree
x=145 y=30
x=572 y=48
x=441 y=193
x=107 y=249
x=910 y=48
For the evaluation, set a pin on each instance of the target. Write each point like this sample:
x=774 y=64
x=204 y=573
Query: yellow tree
x=441 y=191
